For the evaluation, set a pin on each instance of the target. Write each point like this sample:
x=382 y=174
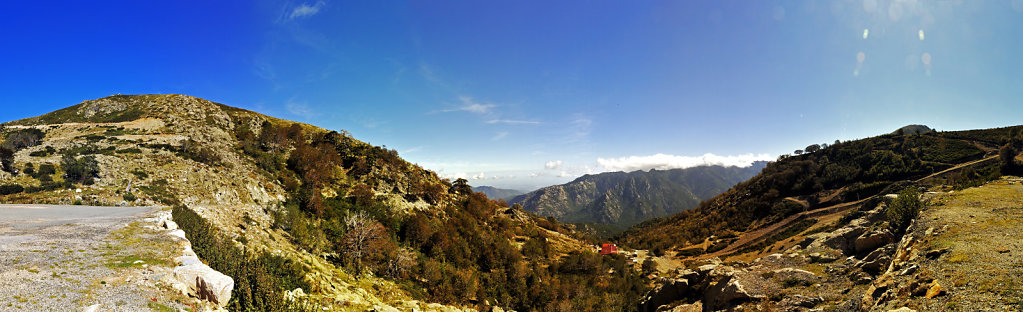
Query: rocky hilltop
x=624 y=199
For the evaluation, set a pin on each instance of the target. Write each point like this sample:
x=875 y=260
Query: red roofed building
x=608 y=249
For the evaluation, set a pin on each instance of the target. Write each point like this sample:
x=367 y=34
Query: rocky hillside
x=302 y=217
x=497 y=193
x=624 y=199
x=957 y=255
x=828 y=180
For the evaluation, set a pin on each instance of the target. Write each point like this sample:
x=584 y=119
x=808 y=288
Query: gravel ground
x=71 y=258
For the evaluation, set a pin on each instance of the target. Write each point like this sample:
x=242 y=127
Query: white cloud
x=412 y=150
x=513 y=122
x=306 y=10
x=564 y=174
x=299 y=109
x=479 y=176
x=665 y=162
x=554 y=164
x=470 y=106
x=499 y=136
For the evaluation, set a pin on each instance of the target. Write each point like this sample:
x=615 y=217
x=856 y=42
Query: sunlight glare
x=921 y=34
x=866 y=32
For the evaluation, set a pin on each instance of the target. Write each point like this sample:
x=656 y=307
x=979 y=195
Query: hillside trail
x=762 y=233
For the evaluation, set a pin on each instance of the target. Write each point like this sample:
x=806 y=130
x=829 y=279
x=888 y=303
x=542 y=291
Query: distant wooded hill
x=623 y=199
x=497 y=193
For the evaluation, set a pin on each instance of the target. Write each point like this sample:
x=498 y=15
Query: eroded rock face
x=205 y=283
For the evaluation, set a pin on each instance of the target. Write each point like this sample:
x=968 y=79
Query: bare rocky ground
x=81 y=258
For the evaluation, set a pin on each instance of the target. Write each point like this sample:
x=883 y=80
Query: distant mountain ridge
x=624 y=199
x=497 y=193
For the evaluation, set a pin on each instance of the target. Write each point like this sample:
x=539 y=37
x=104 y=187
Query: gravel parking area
x=75 y=258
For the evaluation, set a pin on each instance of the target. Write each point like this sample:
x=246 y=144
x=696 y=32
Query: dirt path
x=70 y=258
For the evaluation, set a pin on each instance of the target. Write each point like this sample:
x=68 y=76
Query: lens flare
x=866 y=32
x=921 y=34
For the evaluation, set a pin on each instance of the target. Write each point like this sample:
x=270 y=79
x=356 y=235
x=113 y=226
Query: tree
x=81 y=170
x=6 y=159
x=23 y=138
x=1007 y=157
x=798 y=152
x=813 y=148
x=461 y=186
x=649 y=266
x=362 y=239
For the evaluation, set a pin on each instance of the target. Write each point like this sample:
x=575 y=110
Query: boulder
x=935 y=290
x=688 y=307
x=802 y=301
x=871 y=240
x=791 y=277
x=841 y=239
x=902 y=309
x=729 y=288
x=669 y=291
x=205 y=283
x=817 y=257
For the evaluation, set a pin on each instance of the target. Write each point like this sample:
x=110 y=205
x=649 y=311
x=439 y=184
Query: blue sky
x=524 y=94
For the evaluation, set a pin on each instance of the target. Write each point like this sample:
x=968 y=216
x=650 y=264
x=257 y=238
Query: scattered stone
x=902 y=309
x=690 y=307
x=862 y=278
x=790 y=277
x=935 y=290
x=802 y=301
x=910 y=270
x=1002 y=250
x=92 y=308
x=935 y=253
x=822 y=258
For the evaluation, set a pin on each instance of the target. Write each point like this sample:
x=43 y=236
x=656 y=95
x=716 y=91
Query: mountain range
x=623 y=199
x=497 y=193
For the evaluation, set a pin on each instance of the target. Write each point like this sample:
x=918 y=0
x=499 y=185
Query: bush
x=904 y=209
x=11 y=189
x=81 y=170
x=132 y=150
x=23 y=138
x=129 y=197
x=46 y=169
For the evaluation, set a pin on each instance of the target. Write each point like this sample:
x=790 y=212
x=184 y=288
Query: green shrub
x=11 y=189
x=80 y=170
x=904 y=209
x=46 y=169
x=128 y=197
x=132 y=150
